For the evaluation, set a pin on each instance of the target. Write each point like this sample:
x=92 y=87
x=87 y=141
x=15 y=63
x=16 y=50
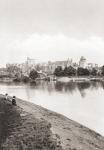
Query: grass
x=24 y=132
x=8 y=116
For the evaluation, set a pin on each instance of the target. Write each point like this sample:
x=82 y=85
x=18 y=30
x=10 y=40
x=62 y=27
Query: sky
x=51 y=30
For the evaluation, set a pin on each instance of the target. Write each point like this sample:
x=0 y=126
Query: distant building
x=96 y=66
x=82 y=62
x=51 y=66
x=30 y=61
x=28 y=66
x=45 y=67
x=90 y=66
x=24 y=70
x=69 y=62
x=75 y=65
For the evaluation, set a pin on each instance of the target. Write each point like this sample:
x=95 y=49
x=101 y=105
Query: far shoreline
x=57 y=79
x=79 y=79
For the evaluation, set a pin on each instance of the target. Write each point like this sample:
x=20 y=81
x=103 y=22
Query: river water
x=82 y=102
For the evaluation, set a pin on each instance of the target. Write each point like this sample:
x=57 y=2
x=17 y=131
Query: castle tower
x=82 y=62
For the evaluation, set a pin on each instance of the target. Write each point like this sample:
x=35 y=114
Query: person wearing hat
x=14 y=100
x=6 y=96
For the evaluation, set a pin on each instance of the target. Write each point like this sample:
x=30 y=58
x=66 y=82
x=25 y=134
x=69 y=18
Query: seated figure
x=14 y=100
x=6 y=96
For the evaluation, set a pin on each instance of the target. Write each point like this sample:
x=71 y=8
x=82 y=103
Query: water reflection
x=82 y=87
x=65 y=87
x=102 y=85
x=82 y=102
x=70 y=87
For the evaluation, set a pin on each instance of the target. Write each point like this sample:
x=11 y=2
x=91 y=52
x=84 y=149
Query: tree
x=69 y=71
x=38 y=67
x=33 y=74
x=58 y=71
x=25 y=79
x=14 y=70
x=93 y=72
x=102 y=70
x=83 y=72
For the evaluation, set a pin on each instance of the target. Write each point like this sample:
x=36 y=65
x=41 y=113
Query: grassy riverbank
x=31 y=127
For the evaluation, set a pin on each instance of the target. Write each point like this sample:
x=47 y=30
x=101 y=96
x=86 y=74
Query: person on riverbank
x=6 y=96
x=14 y=100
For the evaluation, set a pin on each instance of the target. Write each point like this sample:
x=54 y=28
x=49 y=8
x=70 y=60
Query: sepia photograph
x=51 y=75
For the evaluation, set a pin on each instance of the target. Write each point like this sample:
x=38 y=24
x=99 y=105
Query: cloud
x=74 y=18
x=51 y=30
x=52 y=47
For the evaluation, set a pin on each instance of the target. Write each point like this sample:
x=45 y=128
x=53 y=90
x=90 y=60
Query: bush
x=102 y=70
x=83 y=72
x=69 y=71
x=58 y=71
x=17 y=80
x=33 y=74
x=93 y=72
x=25 y=79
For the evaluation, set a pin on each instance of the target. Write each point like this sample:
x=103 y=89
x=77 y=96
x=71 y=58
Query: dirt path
x=72 y=135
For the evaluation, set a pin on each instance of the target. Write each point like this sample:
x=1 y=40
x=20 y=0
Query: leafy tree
x=38 y=67
x=25 y=79
x=69 y=71
x=33 y=74
x=58 y=71
x=102 y=70
x=93 y=72
x=83 y=72
x=14 y=70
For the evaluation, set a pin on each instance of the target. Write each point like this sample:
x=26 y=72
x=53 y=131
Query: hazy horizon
x=51 y=30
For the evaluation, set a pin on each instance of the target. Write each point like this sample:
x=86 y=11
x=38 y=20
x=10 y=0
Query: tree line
x=59 y=71
x=71 y=71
